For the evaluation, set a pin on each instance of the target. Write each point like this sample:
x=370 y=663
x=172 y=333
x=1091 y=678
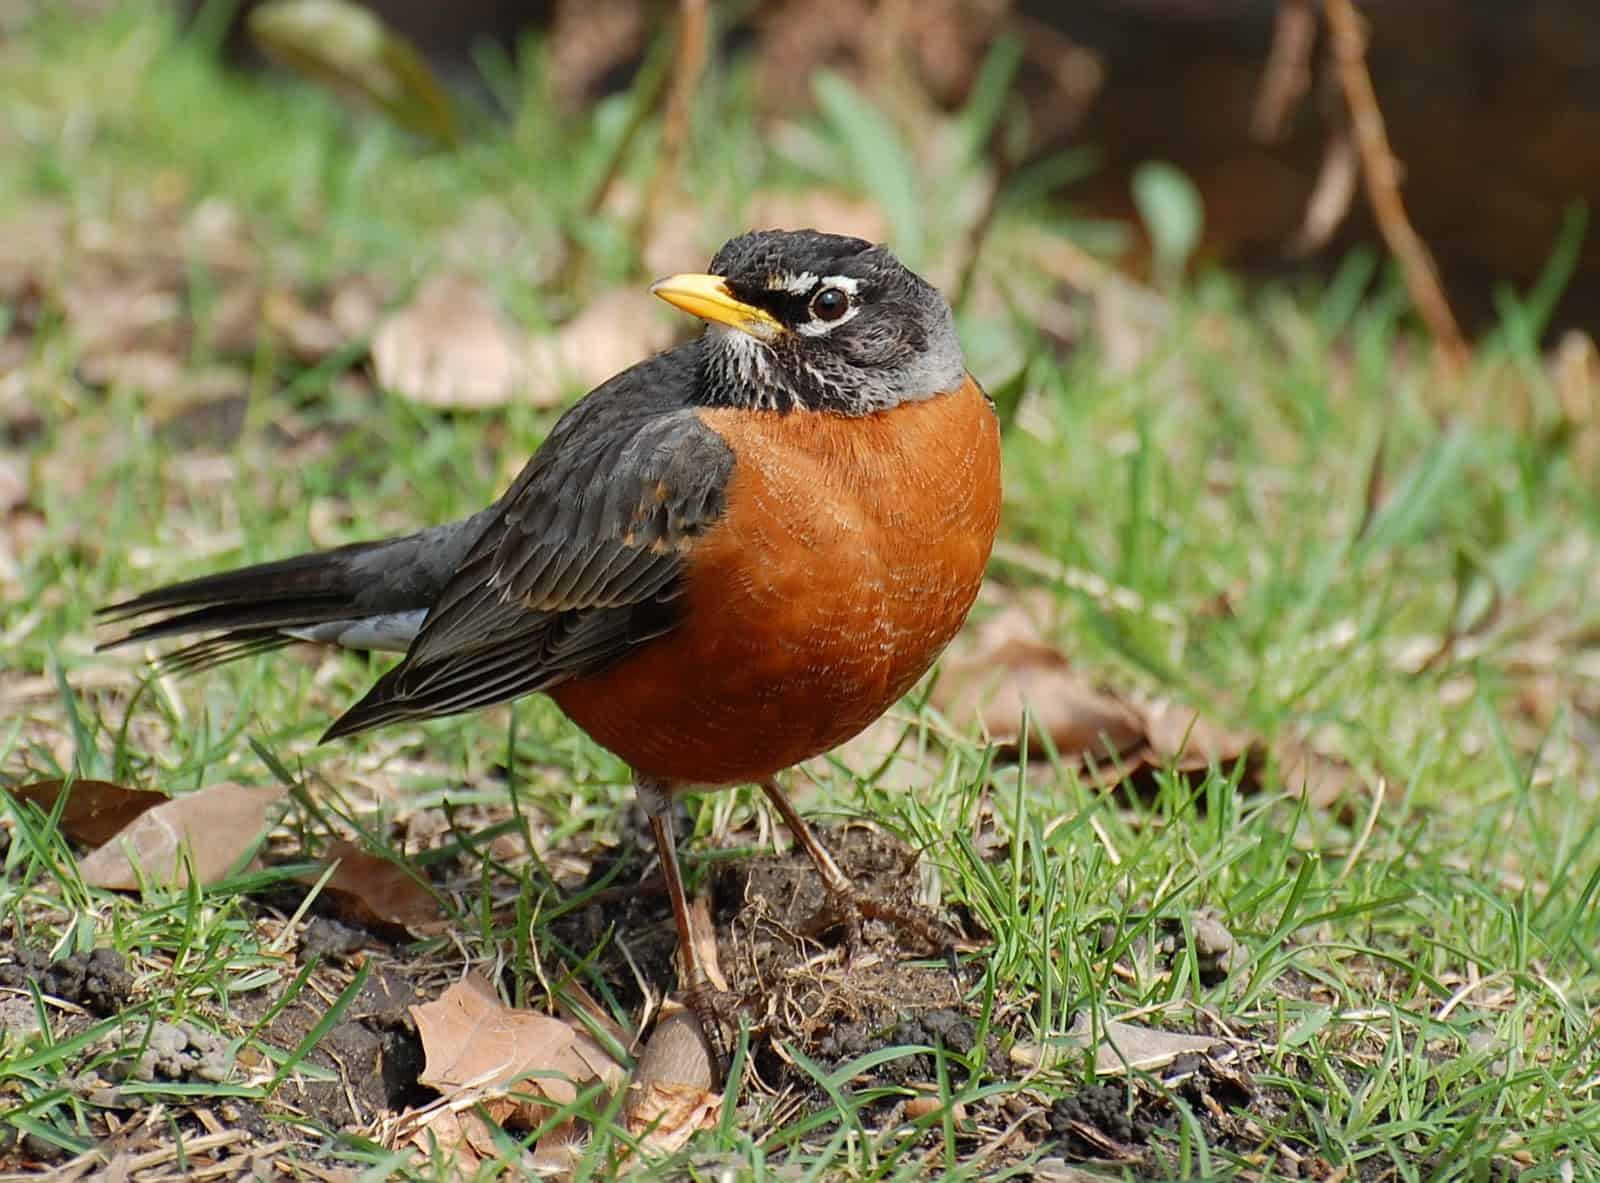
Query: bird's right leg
x=656 y=798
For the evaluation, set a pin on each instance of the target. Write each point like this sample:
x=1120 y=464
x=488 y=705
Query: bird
x=725 y=560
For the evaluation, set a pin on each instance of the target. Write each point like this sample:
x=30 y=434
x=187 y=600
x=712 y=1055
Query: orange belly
x=848 y=557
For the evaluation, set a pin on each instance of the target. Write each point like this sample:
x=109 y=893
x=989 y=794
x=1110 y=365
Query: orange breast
x=849 y=555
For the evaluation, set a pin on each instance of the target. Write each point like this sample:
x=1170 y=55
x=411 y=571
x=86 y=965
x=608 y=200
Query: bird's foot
x=717 y=1012
x=848 y=907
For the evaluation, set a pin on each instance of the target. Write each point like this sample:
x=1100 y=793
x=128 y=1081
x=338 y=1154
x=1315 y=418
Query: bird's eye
x=830 y=303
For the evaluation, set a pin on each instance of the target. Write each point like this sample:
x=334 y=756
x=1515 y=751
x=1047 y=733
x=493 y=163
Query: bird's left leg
x=847 y=903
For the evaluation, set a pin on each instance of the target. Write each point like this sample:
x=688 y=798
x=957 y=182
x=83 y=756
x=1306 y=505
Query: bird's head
x=798 y=319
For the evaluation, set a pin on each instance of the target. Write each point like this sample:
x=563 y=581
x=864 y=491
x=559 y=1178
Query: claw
x=706 y=1006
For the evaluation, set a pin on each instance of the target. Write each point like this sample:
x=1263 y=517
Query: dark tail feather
x=246 y=607
x=260 y=608
x=215 y=651
x=315 y=579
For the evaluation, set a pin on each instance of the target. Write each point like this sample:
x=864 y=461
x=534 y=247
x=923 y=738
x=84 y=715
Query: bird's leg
x=656 y=798
x=847 y=903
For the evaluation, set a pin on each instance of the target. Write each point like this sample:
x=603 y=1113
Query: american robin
x=727 y=559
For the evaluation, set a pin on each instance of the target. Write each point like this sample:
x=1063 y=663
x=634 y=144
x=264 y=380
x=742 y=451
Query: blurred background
x=1492 y=108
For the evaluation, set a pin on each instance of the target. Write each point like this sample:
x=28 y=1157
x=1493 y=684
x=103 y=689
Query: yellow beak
x=708 y=297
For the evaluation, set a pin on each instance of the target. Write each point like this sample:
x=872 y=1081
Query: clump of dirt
x=804 y=990
x=1136 y=1125
x=788 y=980
x=1097 y=1118
x=326 y=937
x=374 y=1053
x=176 y=1051
x=97 y=980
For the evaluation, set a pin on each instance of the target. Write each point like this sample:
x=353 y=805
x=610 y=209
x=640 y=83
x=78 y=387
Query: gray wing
x=582 y=562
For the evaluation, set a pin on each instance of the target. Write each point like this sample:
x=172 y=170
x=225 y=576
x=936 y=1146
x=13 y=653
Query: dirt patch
x=373 y=1053
x=793 y=986
x=799 y=986
x=97 y=980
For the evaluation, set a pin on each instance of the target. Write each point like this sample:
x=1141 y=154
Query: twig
x=688 y=65
x=1332 y=195
x=1287 y=77
x=1382 y=173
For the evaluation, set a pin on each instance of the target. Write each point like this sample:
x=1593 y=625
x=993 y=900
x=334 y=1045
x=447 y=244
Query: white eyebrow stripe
x=795 y=285
x=799 y=285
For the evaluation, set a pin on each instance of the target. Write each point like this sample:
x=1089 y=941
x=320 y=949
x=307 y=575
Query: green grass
x=1297 y=509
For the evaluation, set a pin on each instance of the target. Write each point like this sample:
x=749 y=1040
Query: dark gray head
x=797 y=318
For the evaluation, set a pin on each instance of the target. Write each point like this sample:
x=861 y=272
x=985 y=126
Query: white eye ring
x=830 y=304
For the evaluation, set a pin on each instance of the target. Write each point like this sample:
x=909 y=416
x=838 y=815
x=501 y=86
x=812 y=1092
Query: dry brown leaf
x=110 y=314
x=452 y=1132
x=1118 y=1047
x=313 y=329
x=664 y=1116
x=1006 y=666
x=617 y=329
x=449 y=347
x=1181 y=737
x=703 y=936
x=95 y=809
x=1322 y=780
x=589 y=40
x=378 y=893
x=310 y=335
x=150 y=372
x=215 y=826
x=558 y=1151
x=471 y=1040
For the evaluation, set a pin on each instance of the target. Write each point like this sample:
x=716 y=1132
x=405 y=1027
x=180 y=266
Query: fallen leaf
x=150 y=372
x=309 y=334
x=449 y=1131
x=1004 y=664
x=215 y=826
x=588 y=41
x=1119 y=1047
x=616 y=329
x=1005 y=667
x=95 y=809
x=703 y=936
x=471 y=1040
x=449 y=347
x=664 y=1116
x=378 y=893
x=1322 y=780
x=110 y=314
x=1181 y=737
